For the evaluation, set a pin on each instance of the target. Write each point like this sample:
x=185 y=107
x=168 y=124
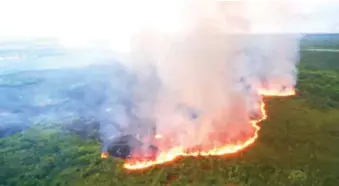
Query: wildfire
x=274 y=93
x=104 y=155
x=176 y=152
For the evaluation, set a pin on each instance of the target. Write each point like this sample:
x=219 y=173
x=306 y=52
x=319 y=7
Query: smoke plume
x=210 y=69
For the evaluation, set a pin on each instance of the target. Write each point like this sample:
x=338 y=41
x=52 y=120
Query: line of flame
x=176 y=152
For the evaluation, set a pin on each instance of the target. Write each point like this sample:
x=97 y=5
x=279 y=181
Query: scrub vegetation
x=298 y=145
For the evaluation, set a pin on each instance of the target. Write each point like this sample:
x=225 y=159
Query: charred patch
x=128 y=147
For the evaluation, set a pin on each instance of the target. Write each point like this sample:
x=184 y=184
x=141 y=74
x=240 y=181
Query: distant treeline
x=320 y=41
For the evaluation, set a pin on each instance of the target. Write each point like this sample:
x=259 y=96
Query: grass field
x=298 y=145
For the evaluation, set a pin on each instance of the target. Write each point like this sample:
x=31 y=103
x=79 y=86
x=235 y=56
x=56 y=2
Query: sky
x=76 y=22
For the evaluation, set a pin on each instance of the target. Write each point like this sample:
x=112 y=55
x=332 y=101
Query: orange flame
x=176 y=152
x=104 y=155
x=275 y=93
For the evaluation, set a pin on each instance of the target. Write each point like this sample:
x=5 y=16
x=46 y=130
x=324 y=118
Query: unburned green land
x=298 y=145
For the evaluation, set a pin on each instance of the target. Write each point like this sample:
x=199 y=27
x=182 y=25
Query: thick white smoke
x=210 y=57
x=214 y=66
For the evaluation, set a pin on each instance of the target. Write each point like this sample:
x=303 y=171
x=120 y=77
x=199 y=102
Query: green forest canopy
x=297 y=146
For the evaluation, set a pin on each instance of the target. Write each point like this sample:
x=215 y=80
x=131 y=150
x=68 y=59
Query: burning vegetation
x=218 y=143
x=226 y=147
x=201 y=83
